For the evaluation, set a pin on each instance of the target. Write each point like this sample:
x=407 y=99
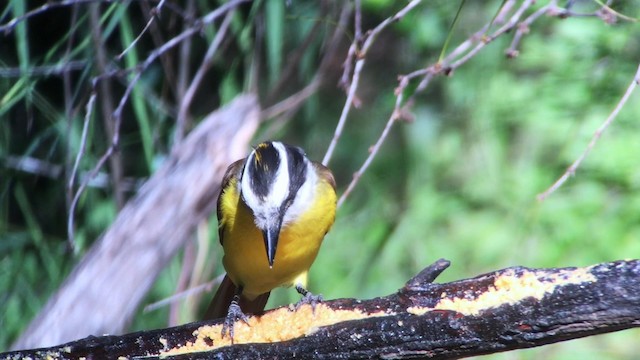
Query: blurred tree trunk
x=104 y=290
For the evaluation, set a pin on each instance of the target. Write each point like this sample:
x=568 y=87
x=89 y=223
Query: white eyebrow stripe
x=280 y=187
x=245 y=184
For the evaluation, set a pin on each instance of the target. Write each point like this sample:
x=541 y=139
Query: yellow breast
x=245 y=257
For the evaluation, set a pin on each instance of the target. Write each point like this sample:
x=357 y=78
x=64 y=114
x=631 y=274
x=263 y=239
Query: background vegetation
x=459 y=181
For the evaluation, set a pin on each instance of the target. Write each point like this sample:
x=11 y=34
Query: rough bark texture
x=508 y=309
x=106 y=287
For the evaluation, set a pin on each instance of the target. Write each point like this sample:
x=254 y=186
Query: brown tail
x=222 y=299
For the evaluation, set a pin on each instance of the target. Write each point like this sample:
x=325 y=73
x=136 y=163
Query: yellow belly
x=245 y=257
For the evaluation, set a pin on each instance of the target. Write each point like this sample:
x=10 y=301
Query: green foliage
x=459 y=182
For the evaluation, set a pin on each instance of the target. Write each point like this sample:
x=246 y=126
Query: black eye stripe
x=263 y=168
x=297 y=173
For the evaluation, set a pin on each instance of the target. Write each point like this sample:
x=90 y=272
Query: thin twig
x=292 y=101
x=345 y=111
x=39 y=167
x=69 y=110
x=487 y=40
x=44 y=70
x=184 y=294
x=368 y=42
x=83 y=140
x=358 y=22
x=106 y=100
x=339 y=32
x=155 y=11
x=292 y=64
x=183 y=76
x=186 y=271
x=347 y=66
x=83 y=143
x=373 y=151
x=608 y=9
x=202 y=268
x=571 y=170
x=83 y=186
x=32 y=165
x=504 y=10
x=455 y=59
x=202 y=70
x=523 y=27
x=8 y=27
x=285 y=109
x=207 y=19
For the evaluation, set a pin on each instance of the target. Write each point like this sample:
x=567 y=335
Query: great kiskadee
x=274 y=209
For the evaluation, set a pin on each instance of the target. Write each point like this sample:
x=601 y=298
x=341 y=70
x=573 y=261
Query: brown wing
x=325 y=173
x=234 y=170
x=219 y=305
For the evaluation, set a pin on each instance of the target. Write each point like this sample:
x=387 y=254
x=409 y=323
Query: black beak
x=271 y=236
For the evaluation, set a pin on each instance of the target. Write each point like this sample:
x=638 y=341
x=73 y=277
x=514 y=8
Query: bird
x=274 y=209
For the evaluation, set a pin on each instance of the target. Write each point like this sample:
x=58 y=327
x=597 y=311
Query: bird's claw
x=234 y=314
x=307 y=298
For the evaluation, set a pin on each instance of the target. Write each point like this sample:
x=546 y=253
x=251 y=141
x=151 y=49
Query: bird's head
x=277 y=185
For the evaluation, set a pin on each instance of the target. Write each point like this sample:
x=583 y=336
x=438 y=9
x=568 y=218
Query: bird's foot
x=233 y=314
x=307 y=298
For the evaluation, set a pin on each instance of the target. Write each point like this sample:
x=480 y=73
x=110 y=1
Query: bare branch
x=111 y=125
x=486 y=40
x=183 y=77
x=83 y=142
x=372 y=153
x=292 y=101
x=8 y=27
x=361 y=54
x=596 y=136
x=44 y=70
x=345 y=111
x=206 y=287
x=285 y=108
x=155 y=11
x=504 y=11
x=202 y=70
x=523 y=27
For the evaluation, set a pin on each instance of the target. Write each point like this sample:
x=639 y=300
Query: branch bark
x=103 y=291
x=509 y=309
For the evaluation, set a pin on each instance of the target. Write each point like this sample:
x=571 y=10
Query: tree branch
x=509 y=309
